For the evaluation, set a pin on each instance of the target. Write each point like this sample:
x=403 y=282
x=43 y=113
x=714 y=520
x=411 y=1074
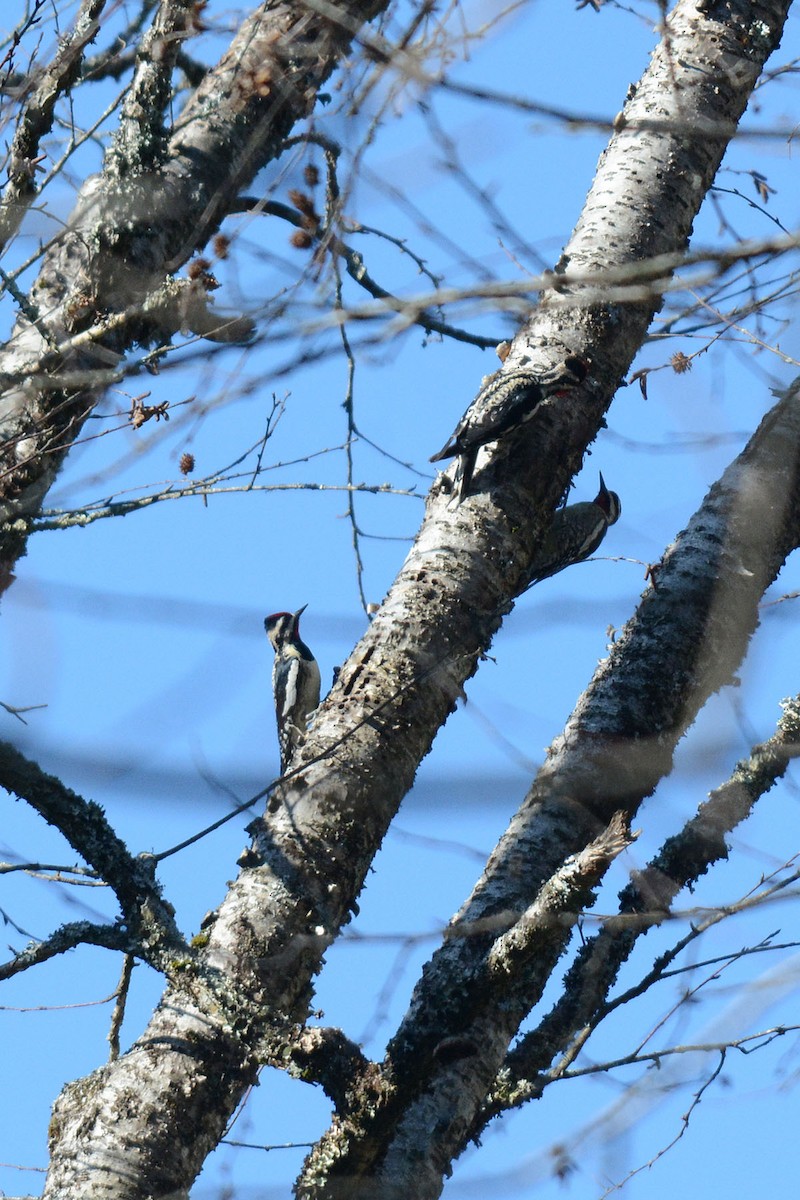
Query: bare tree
x=104 y=300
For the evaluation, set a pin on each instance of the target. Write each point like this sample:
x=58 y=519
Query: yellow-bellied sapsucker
x=506 y=401
x=576 y=532
x=295 y=681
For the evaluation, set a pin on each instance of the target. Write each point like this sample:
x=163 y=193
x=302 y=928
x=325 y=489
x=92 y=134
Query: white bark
x=158 y=199
x=143 y=1125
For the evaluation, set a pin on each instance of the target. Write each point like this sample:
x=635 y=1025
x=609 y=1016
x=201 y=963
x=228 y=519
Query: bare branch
x=140 y=143
x=238 y=999
x=66 y=938
x=644 y=903
x=357 y=270
x=684 y=642
x=37 y=117
x=16 y=711
x=267 y=80
x=151 y=923
x=118 y=1015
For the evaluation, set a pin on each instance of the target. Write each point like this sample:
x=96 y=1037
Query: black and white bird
x=576 y=532
x=506 y=401
x=295 y=681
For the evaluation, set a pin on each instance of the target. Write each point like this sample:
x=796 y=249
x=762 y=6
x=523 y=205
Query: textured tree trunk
x=106 y=284
x=142 y=1126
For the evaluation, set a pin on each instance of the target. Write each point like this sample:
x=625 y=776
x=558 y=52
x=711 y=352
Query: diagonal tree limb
x=137 y=222
x=67 y=937
x=310 y=858
x=686 y=640
x=141 y=140
x=148 y=917
x=36 y=119
x=644 y=903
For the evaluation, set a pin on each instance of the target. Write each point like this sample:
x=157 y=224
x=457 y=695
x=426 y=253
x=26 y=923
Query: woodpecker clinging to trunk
x=295 y=681
x=576 y=532
x=507 y=400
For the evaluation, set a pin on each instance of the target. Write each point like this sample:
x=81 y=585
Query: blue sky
x=144 y=637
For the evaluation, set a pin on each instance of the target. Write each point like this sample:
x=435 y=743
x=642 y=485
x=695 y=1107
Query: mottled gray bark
x=686 y=640
x=147 y=926
x=36 y=119
x=644 y=903
x=456 y=581
x=143 y=1125
x=158 y=199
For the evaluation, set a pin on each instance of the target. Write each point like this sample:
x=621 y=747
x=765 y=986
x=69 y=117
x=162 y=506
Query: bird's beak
x=299 y=613
x=603 y=488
